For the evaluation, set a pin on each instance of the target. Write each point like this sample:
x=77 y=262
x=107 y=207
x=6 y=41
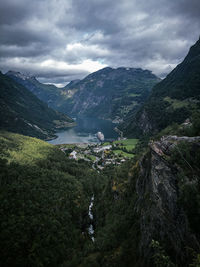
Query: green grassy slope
x=44 y=199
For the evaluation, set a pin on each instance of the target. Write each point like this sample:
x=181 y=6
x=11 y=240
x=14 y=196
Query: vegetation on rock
x=173 y=100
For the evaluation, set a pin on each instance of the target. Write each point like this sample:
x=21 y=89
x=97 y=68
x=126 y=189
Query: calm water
x=85 y=131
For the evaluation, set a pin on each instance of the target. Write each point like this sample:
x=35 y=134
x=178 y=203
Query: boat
x=100 y=136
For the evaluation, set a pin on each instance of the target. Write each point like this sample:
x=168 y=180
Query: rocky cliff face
x=110 y=93
x=161 y=216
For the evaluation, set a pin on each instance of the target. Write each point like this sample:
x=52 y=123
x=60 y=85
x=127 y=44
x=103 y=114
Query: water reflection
x=71 y=136
x=85 y=131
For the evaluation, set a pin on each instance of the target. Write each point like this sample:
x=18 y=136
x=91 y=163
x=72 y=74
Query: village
x=101 y=154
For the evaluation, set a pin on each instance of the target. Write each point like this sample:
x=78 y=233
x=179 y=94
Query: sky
x=62 y=40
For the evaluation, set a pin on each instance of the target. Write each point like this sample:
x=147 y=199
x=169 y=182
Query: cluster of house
x=73 y=154
x=102 y=148
x=100 y=161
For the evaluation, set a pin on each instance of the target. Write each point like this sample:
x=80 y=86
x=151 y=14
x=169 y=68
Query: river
x=85 y=131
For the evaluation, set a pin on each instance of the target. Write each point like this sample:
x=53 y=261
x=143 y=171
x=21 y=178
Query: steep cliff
x=149 y=212
x=160 y=187
x=172 y=100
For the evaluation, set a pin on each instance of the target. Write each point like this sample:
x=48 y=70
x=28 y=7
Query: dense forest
x=43 y=203
x=45 y=199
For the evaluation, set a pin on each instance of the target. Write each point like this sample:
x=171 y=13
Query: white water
x=91 y=229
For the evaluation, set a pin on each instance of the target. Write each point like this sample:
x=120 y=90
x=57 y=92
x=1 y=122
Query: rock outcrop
x=161 y=217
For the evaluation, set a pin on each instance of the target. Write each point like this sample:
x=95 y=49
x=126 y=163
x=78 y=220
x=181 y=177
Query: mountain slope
x=110 y=93
x=48 y=93
x=148 y=214
x=44 y=199
x=172 y=100
x=23 y=112
x=146 y=211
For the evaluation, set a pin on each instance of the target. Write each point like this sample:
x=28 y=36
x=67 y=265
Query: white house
x=72 y=155
x=99 y=149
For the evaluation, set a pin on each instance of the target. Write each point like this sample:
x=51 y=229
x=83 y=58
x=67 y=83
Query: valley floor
x=101 y=155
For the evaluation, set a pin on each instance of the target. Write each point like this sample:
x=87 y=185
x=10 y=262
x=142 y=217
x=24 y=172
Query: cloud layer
x=59 y=40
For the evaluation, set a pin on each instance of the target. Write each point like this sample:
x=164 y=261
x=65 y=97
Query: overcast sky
x=62 y=40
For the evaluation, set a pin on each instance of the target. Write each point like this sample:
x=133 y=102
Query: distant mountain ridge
x=22 y=112
x=108 y=93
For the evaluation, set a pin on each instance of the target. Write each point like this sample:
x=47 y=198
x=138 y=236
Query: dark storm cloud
x=96 y=15
x=22 y=36
x=33 y=50
x=189 y=8
x=59 y=40
x=13 y=12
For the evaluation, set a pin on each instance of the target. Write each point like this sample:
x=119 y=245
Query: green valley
x=101 y=155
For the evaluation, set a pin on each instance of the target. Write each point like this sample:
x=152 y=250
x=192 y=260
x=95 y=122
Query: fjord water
x=85 y=131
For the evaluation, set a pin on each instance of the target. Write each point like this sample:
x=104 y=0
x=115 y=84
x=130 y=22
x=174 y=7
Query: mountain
x=173 y=100
x=23 y=112
x=110 y=93
x=48 y=93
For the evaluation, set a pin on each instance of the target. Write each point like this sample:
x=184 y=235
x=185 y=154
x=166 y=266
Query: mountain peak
x=72 y=83
x=173 y=100
x=194 y=51
x=20 y=75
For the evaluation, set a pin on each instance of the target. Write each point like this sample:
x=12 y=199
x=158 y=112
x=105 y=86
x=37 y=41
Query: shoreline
x=71 y=125
x=119 y=132
x=59 y=137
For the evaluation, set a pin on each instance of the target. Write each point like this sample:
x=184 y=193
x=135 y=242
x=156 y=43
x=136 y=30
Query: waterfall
x=91 y=228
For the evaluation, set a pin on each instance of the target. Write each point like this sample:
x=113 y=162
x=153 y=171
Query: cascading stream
x=91 y=228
